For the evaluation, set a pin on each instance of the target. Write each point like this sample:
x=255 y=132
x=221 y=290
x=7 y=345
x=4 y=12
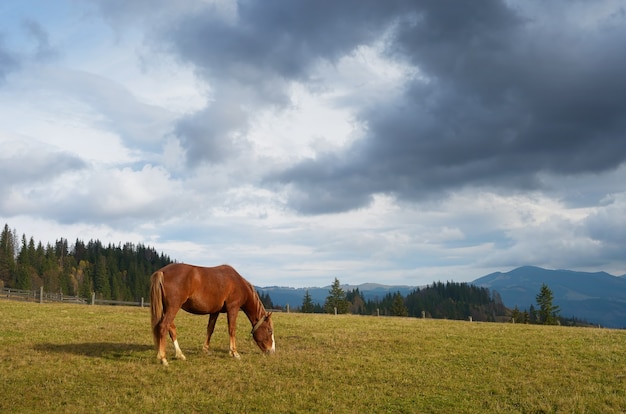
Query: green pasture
x=92 y=359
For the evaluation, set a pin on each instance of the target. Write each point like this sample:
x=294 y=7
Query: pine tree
x=24 y=266
x=307 y=303
x=516 y=315
x=532 y=314
x=84 y=279
x=23 y=277
x=398 y=308
x=7 y=256
x=101 y=279
x=336 y=299
x=548 y=313
x=266 y=300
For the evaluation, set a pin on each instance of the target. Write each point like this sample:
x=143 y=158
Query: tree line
x=546 y=312
x=118 y=272
x=448 y=300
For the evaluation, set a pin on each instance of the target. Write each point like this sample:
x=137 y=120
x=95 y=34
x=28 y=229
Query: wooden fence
x=41 y=297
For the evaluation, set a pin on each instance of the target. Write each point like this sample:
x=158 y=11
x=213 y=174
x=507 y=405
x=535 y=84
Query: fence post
x=377 y=311
x=470 y=318
x=93 y=298
x=423 y=314
x=142 y=302
x=41 y=294
x=335 y=310
x=287 y=308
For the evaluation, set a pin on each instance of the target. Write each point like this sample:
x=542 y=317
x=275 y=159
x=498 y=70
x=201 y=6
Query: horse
x=201 y=291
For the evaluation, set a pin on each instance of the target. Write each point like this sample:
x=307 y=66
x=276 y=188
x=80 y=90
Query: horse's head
x=263 y=334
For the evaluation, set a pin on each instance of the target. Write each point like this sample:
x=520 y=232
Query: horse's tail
x=156 y=300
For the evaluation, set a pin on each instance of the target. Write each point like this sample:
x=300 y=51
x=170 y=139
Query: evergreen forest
x=118 y=272
x=440 y=300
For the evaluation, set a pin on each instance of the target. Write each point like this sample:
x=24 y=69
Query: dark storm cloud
x=499 y=98
x=257 y=54
x=502 y=101
x=278 y=38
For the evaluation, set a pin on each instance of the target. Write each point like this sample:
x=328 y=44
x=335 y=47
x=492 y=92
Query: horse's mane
x=259 y=308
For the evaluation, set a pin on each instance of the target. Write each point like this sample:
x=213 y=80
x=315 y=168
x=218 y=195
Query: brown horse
x=202 y=291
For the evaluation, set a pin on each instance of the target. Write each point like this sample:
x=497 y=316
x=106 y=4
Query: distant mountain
x=281 y=296
x=596 y=297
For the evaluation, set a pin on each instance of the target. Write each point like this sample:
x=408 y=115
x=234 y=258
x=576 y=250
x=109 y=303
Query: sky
x=396 y=142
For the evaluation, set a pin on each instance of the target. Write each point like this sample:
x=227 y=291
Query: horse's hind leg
x=160 y=338
x=209 y=330
x=159 y=341
x=179 y=353
x=165 y=326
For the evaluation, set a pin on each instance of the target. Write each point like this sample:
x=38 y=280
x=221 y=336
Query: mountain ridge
x=597 y=297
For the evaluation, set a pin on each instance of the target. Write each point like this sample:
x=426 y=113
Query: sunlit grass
x=78 y=358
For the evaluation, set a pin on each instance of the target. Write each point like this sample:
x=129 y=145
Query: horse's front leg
x=209 y=330
x=179 y=353
x=232 y=324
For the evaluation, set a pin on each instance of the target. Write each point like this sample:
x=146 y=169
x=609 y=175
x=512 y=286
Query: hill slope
x=597 y=297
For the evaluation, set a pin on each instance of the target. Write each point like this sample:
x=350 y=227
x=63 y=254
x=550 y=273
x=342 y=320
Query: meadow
x=81 y=358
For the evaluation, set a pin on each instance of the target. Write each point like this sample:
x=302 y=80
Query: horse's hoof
x=165 y=363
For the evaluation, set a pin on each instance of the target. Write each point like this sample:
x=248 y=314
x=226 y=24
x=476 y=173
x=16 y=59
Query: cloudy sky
x=400 y=142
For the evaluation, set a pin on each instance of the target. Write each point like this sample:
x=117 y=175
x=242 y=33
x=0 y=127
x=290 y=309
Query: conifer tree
x=7 y=256
x=83 y=276
x=266 y=300
x=101 y=278
x=307 y=303
x=336 y=299
x=532 y=314
x=398 y=308
x=548 y=313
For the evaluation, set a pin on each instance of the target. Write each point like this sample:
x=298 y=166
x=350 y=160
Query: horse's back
x=200 y=289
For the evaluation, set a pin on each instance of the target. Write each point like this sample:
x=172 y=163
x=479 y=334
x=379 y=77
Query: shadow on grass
x=106 y=350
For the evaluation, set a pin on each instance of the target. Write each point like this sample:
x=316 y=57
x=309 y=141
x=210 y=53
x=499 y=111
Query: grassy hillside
x=79 y=358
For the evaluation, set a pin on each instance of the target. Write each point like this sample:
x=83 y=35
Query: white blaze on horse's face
x=272 y=349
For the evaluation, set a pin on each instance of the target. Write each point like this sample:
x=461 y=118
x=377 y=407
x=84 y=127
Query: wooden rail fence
x=40 y=296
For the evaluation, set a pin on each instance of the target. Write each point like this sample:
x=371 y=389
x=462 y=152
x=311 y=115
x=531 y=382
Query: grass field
x=80 y=358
